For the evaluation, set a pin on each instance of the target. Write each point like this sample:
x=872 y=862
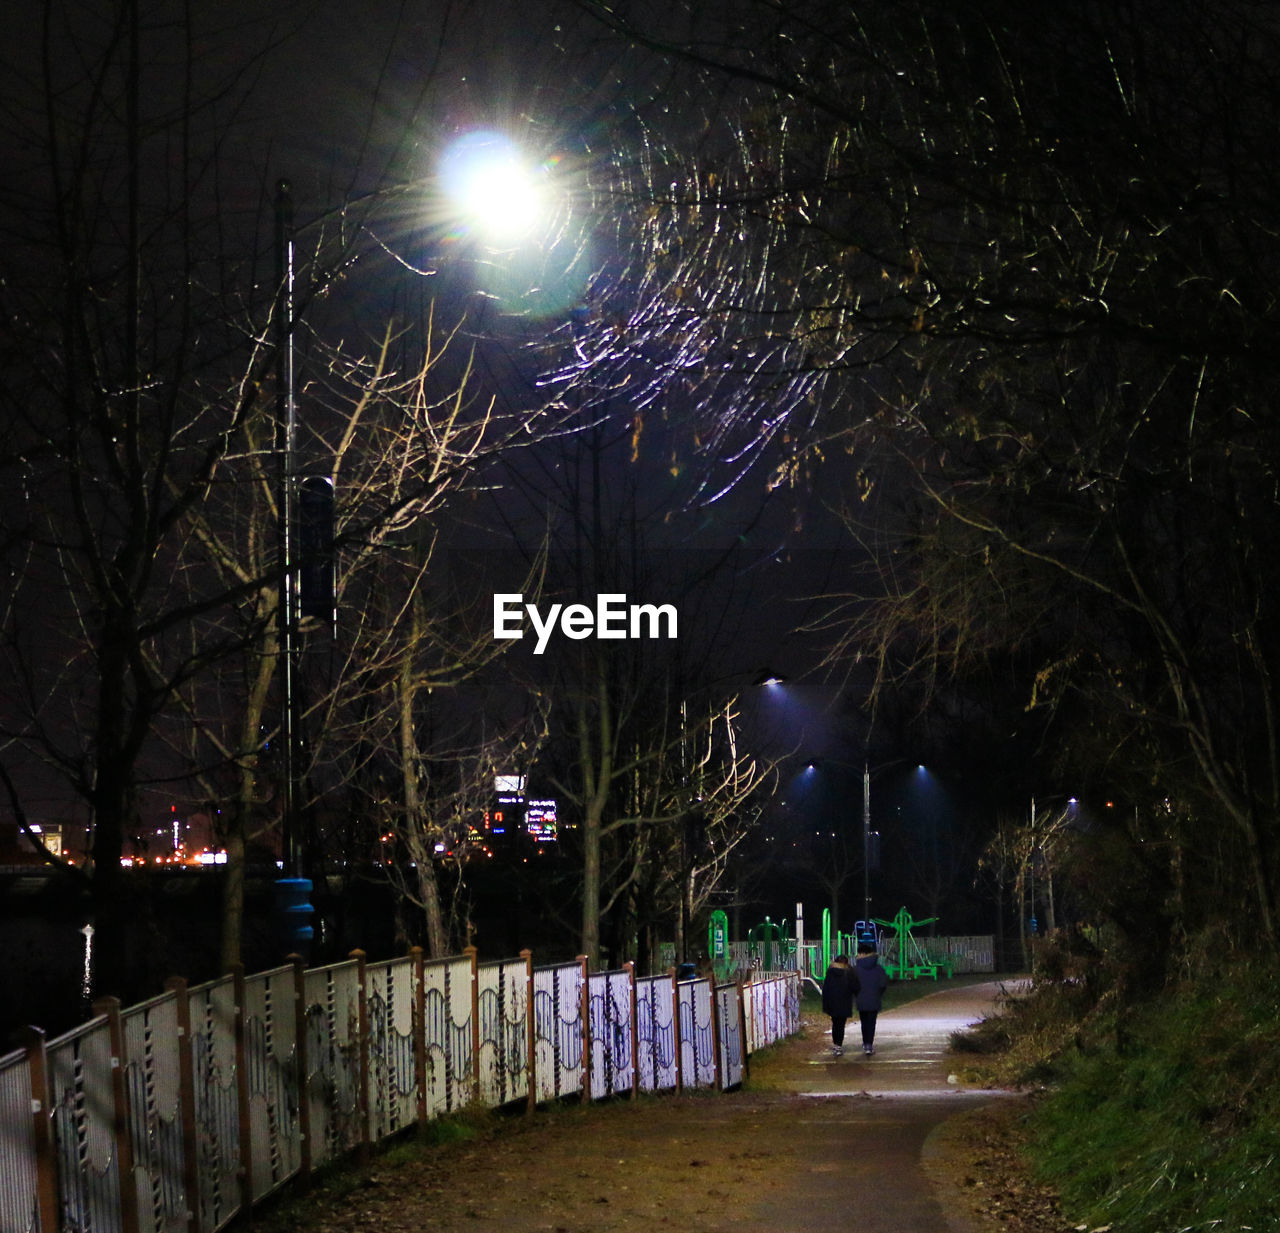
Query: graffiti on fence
x=557 y=1031
x=503 y=1046
x=185 y=1111
x=656 y=1034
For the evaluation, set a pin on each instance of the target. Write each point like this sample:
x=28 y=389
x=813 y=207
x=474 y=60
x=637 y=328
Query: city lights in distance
x=540 y=821
x=181 y=859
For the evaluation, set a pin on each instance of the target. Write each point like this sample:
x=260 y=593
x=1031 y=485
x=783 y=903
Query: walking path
x=864 y=1155
x=816 y=1143
x=911 y=1047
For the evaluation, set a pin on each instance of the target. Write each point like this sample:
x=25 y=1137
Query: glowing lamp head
x=495 y=190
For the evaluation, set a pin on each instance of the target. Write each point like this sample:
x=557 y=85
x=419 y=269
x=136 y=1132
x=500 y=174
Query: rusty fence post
x=716 y=1034
x=530 y=1031
x=110 y=1007
x=417 y=954
x=306 y=1156
x=245 y=1120
x=474 y=956
x=678 y=1028
x=584 y=1015
x=363 y=1112
x=187 y=1101
x=42 y=1128
x=630 y=968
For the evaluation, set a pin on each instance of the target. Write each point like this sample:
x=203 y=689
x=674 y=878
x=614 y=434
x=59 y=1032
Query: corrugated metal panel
x=504 y=1041
x=270 y=1045
x=82 y=1108
x=331 y=1085
x=152 y=1085
x=612 y=1066
x=656 y=1033
x=18 y=1204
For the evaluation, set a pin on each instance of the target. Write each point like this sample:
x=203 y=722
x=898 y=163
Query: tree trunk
x=999 y=957
x=112 y=801
x=233 y=890
x=428 y=886
x=595 y=749
x=591 y=827
x=1020 y=896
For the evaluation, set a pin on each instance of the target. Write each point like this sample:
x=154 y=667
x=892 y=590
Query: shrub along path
x=812 y=1143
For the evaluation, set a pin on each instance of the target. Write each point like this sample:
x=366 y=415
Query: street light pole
x=292 y=890
x=490 y=172
x=286 y=614
x=866 y=842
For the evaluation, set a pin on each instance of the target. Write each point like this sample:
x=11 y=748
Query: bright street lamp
x=499 y=194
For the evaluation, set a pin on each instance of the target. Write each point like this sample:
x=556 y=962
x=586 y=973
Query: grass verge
x=1162 y=1119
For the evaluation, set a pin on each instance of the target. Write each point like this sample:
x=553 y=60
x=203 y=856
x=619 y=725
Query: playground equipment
x=817 y=955
x=904 y=960
x=838 y=943
x=771 y=945
x=718 y=944
x=911 y=961
x=768 y=946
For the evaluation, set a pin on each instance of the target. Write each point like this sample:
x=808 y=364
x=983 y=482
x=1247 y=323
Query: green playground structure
x=912 y=961
x=906 y=960
x=774 y=945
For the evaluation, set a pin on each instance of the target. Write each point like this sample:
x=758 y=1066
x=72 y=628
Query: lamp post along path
x=498 y=195
x=292 y=890
x=866 y=842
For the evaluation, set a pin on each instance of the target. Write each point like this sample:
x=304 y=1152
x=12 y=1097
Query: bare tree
x=1022 y=259
x=142 y=323
x=121 y=311
x=397 y=455
x=663 y=799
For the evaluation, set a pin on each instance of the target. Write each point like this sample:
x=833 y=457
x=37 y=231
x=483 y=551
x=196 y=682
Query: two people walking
x=861 y=985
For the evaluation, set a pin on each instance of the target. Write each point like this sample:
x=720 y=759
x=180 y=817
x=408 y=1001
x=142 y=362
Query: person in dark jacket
x=839 y=988
x=873 y=980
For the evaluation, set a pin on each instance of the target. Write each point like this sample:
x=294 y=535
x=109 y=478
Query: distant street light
x=867 y=832
x=866 y=842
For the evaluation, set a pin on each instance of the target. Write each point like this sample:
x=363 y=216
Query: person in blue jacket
x=839 y=987
x=873 y=980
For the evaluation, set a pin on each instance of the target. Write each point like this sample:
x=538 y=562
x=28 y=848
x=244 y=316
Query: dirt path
x=815 y=1143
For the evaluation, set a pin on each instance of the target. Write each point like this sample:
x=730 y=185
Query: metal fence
x=956 y=954
x=178 y=1114
x=953 y=955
